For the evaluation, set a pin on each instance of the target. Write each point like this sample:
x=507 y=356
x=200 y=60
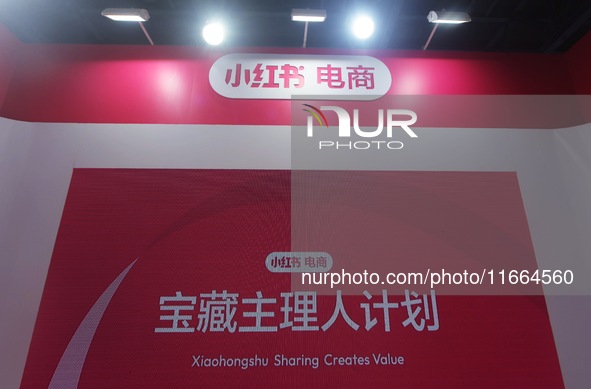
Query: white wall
x=36 y=162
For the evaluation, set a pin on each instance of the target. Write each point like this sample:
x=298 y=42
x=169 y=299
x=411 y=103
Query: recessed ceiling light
x=213 y=33
x=127 y=14
x=363 y=27
x=448 y=17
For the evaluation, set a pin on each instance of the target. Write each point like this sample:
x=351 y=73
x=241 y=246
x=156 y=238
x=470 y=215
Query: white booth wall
x=37 y=161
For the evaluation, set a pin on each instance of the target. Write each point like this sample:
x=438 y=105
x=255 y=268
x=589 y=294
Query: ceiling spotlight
x=213 y=33
x=363 y=27
x=448 y=17
x=127 y=14
x=308 y=15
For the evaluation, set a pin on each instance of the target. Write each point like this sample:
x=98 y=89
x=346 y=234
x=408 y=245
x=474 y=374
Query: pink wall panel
x=9 y=46
x=143 y=84
x=579 y=61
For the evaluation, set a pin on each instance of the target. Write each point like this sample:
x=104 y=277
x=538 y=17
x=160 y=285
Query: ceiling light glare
x=126 y=14
x=363 y=27
x=213 y=33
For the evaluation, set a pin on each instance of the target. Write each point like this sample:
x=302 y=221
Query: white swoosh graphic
x=68 y=371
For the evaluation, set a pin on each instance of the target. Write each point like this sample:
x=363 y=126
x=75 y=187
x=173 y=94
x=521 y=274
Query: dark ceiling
x=498 y=25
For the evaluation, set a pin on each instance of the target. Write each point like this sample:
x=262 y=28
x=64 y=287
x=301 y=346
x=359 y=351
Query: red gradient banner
x=158 y=280
x=159 y=85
